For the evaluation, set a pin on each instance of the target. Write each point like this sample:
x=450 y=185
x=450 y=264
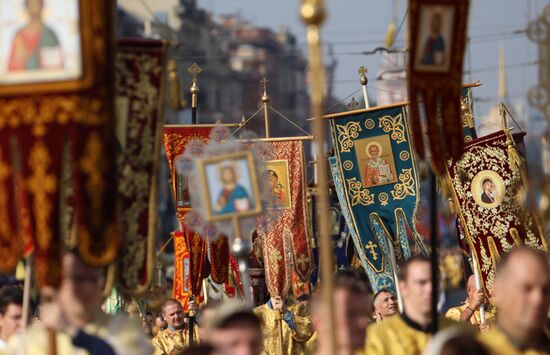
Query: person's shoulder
x=454 y=313
x=389 y=324
x=445 y=322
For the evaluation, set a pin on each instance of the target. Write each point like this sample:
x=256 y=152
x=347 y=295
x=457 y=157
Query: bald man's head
x=172 y=312
x=522 y=291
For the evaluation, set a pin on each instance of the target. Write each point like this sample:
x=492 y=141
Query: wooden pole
x=27 y=291
x=313 y=14
x=434 y=246
x=240 y=247
x=477 y=277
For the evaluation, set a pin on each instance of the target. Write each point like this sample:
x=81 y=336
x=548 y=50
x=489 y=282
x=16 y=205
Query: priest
x=295 y=329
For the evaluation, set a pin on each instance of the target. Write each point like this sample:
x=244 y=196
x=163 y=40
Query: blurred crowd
x=514 y=318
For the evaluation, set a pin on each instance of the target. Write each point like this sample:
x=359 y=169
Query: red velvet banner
x=286 y=246
x=140 y=99
x=485 y=183
x=57 y=142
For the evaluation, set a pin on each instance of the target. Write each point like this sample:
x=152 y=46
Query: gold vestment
x=394 y=336
x=169 y=340
x=294 y=342
x=124 y=334
x=497 y=343
x=454 y=314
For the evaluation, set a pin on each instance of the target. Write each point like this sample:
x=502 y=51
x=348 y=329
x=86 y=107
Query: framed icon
x=230 y=186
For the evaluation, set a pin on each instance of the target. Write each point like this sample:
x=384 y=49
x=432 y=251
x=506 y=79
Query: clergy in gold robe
x=177 y=335
x=455 y=314
x=522 y=297
x=169 y=340
x=296 y=330
x=408 y=333
x=469 y=311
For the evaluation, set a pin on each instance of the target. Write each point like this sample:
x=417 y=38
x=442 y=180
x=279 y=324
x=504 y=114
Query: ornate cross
x=353 y=104
x=371 y=246
x=195 y=70
x=362 y=70
x=264 y=81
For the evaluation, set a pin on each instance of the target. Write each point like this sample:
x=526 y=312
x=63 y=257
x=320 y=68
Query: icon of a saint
x=232 y=197
x=274 y=189
x=433 y=52
x=35 y=46
x=377 y=170
x=489 y=194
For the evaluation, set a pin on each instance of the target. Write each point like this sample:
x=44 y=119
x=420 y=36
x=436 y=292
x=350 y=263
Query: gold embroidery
x=405 y=187
x=41 y=185
x=346 y=133
x=6 y=233
x=515 y=236
x=93 y=164
x=371 y=246
x=394 y=125
x=359 y=195
x=467 y=115
x=383 y=198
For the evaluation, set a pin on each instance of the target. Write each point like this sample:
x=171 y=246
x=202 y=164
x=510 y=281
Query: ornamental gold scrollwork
x=359 y=195
x=395 y=125
x=467 y=116
x=405 y=187
x=346 y=133
x=383 y=198
x=93 y=164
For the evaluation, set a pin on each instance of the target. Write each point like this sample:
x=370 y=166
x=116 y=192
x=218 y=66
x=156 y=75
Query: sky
x=355 y=26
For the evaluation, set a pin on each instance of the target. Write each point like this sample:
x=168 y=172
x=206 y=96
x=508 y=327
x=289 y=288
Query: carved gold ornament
x=405 y=187
x=359 y=195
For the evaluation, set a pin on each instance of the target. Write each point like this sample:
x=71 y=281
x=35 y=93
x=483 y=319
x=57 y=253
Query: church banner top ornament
x=438 y=38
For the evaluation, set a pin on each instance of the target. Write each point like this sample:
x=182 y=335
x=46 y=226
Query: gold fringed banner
x=140 y=98
x=438 y=38
x=59 y=126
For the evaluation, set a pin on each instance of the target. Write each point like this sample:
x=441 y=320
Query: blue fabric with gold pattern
x=378 y=185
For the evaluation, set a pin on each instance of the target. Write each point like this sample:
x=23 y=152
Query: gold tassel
x=390 y=34
x=513 y=156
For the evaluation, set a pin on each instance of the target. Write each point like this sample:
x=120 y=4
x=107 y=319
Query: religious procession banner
x=378 y=278
x=286 y=247
x=182 y=269
x=484 y=186
x=56 y=130
x=205 y=257
x=438 y=31
x=379 y=184
x=140 y=70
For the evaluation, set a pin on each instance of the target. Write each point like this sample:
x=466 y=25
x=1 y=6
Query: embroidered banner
x=467 y=111
x=437 y=31
x=484 y=185
x=284 y=176
x=379 y=184
x=59 y=125
x=377 y=279
x=182 y=269
x=140 y=70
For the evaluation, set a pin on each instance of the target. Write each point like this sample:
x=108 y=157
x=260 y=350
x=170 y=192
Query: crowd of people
x=516 y=318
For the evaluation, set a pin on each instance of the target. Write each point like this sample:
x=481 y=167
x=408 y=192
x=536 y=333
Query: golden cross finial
x=264 y=81
x=362 y=70
x=371 y=246
x=353 y=104
x=195 y=70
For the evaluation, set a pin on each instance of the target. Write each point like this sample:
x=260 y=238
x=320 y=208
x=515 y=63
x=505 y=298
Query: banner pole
x=313 y=15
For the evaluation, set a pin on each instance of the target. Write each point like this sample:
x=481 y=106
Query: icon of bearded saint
x=377 y=170
x=233 y=197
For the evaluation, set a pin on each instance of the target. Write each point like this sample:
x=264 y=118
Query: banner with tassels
x=56 y=130
x=204 y=257
x=286 y=246
x=484 y=186
x=139 y=104
x=437 y=31
x=182 y=269
x=379 y=185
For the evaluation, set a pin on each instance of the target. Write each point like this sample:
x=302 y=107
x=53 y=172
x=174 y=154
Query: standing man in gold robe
x=384 y=305
x=522 y=295
x=296 y=330
x=469 y=311
x=176 y=336
x=408 y=333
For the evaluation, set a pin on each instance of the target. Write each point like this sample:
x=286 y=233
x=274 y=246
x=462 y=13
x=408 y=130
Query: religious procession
x=178 y=177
